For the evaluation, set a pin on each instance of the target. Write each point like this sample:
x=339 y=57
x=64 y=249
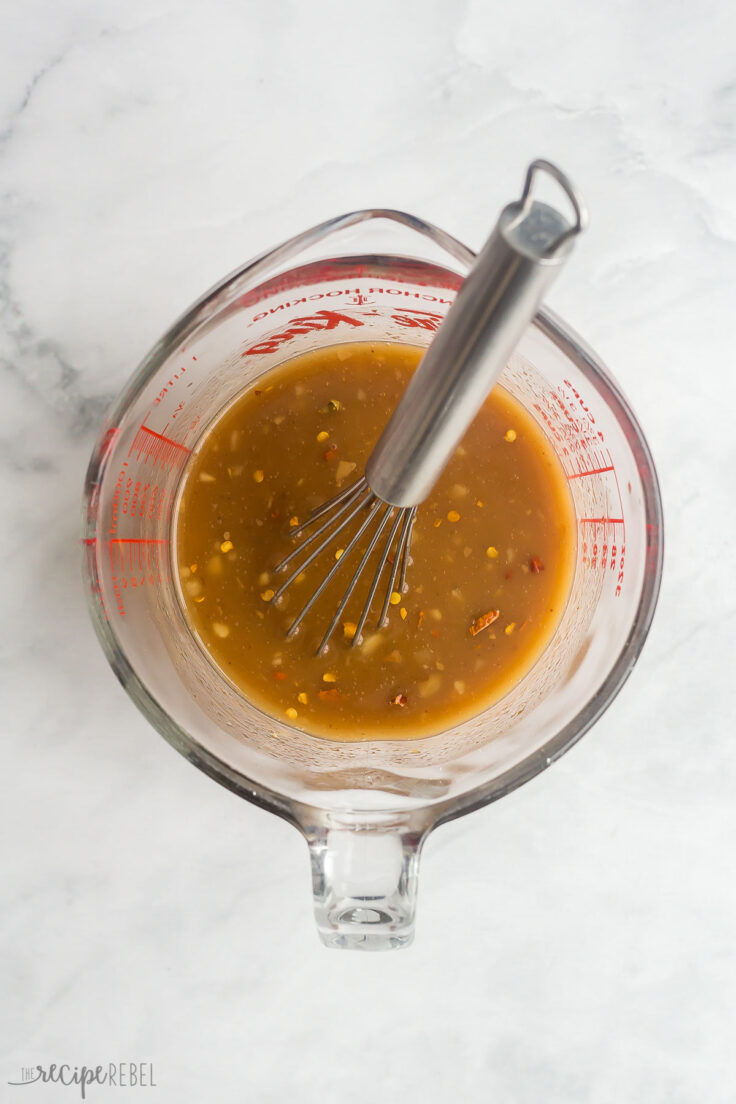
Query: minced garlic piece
x=431 y=686
x=344 y=469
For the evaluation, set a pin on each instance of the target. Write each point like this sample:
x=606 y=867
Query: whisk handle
x=498 y=299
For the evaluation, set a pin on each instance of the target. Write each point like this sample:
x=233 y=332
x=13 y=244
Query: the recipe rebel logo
x=117 y=1075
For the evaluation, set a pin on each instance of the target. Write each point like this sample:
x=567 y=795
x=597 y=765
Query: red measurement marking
x=329 y=273
x=593 y=471
x=90 y=544
x=129 y=553
x=618 y=489
x=107 y=442
x=135 y=562
x=162 y=450
x=603 y=521
x=168 y=440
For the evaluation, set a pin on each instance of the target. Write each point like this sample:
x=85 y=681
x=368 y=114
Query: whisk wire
x=403 y=519
x=356 y=575
x=351 y=501
x=406 y=552
x=361 y=487
x=362 y=502
x=375 y=505
x=348 y=493
x=377 y=576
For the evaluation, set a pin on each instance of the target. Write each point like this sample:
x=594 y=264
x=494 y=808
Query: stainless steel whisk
x=497 y=301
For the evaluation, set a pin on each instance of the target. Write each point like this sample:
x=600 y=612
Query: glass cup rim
x=585 y=360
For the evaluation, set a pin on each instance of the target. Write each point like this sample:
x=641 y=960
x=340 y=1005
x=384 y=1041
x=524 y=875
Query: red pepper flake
x=257 y=392
x=420 y=619
x=535 y=565
x=435 y=632
x=328 y=695
x=400 y=699
x=508 y=575
x=280 y=675
x=484 y=621
x=331 y=452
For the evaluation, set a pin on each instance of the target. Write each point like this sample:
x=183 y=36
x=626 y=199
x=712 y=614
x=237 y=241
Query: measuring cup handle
x=364 y=880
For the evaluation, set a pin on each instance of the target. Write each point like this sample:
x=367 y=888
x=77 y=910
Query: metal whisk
x=495 y=304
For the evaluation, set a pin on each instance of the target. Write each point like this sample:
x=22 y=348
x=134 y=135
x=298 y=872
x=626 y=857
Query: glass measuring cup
x=364 y=808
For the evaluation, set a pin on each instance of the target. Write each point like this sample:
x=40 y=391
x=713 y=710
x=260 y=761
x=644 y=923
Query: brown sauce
x=493 y=552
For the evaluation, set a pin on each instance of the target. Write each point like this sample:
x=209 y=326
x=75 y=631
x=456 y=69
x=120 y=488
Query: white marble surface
x=575 y=942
